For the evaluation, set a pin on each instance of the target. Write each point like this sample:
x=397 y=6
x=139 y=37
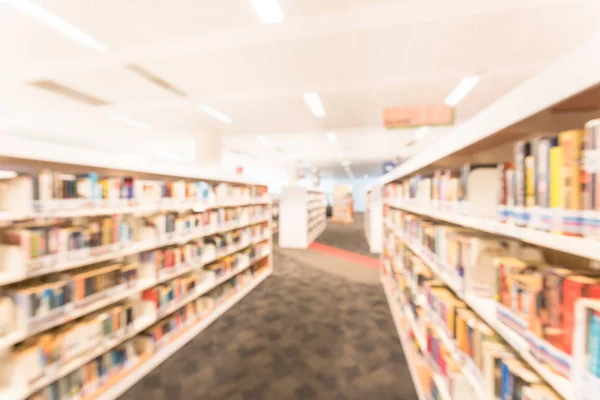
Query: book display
x=105 y=274
x=303 y=216
x=491 y=251
x=343 y=205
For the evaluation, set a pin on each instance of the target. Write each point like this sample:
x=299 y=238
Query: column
x=208 y=149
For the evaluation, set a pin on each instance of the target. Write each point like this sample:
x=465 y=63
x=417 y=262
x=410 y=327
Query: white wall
x=359 y=189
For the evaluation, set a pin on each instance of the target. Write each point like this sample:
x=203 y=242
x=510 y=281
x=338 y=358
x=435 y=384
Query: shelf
x=6 y=279
x=397 y=317
x=486 y=309
x=165 y=352
x=141 y=324
x=74 y=212
x=580 y=246
x=72 y=313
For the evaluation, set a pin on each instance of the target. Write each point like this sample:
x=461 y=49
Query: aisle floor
x=307 y=332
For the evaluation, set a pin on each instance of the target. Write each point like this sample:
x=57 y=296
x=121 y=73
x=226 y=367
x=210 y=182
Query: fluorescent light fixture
x=216 y=114
x=461 y=90
x=268 y=11
x=41 y=14
x=313 y=101
x=264 y=141
x=421 y=132
x=129 y=121
x=332 y=137
x=5 y=174
x=345 y=163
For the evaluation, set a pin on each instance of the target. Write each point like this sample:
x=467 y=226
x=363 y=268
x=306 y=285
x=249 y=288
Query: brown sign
x=411 y=116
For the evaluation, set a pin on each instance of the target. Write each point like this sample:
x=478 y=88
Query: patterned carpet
x=302 y=334
x=349 y=237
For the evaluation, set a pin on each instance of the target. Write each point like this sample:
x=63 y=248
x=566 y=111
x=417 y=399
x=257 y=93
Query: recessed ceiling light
x=268 y=11
x=313 y=101
x=5 y=174
x=264 y=141
x=216 y=114
x=461 y=90
x=41 y=14
x=345 y=163
x=130 y=121
x=332 y=137
x=421 y=132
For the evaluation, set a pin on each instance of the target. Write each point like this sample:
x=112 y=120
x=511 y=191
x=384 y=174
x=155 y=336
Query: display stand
x=303 y=216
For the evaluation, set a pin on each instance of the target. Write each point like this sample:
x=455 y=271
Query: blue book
x=593 y=341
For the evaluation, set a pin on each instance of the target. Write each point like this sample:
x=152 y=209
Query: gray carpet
x=350 y=237
x=304 y=333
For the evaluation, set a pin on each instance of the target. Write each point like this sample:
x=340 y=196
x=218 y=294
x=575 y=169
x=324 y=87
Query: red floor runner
x=369 y=262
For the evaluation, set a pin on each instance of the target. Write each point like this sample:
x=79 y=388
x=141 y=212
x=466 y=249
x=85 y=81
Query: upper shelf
x=552 y=98
x=18 y=151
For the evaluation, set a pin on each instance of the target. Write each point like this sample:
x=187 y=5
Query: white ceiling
x=359 y=55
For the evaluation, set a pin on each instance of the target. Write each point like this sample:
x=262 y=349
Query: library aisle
x=305 y=333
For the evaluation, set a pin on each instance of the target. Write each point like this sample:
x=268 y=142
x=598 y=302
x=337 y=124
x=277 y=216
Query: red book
x=575 y=287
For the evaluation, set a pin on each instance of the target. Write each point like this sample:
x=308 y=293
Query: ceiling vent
x=149 y=76
x=72 y=94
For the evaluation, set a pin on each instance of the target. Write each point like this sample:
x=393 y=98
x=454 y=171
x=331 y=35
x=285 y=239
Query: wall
x=359 y=189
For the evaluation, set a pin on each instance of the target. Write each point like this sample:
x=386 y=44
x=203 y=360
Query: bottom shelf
x=160 y=356
x=404 y=341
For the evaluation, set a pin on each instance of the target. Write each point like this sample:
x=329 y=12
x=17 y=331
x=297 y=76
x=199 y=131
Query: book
x=557 y=198
x=542 y=170
x=575 y=287
x=571 y=143
x=593 y=342
x=522 y=151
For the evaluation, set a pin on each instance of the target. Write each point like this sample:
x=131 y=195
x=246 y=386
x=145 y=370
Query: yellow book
x=571 y=142
x=529 y=181
x=556 y=177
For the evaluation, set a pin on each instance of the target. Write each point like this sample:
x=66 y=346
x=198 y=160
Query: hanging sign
x=413 y=116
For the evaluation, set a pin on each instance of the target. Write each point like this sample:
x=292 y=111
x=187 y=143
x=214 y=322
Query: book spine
x=521 y=151
x=529 y=181
x=542 y=168
x=572 y=291
x=556 y=177
x=571 y=143
x=593 y=341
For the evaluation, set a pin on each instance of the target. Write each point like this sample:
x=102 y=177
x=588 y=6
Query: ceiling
x=360 y=56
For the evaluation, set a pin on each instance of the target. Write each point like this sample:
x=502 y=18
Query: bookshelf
x=343 y=211
x=373 y=218
x=303 y=216
x=275 y=209
x=493 y=216
x=103 y=264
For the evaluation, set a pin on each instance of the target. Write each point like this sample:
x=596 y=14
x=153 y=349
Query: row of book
x=35 y=302
x=551 y=184
x=458 y=342
x=99 y=374
x=44 y=190
x=100 y=234
x=516 y=276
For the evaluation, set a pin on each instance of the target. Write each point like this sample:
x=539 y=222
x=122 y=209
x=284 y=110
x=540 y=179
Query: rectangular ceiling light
x=461 y=90
x=264 y=141
x=216 y=114
x=313 y=101
x=41 y=14
x=149 y=76
x=268 y=11
x=332 y=137
x=129 y=121
x=73 y=94
x=421 y=132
